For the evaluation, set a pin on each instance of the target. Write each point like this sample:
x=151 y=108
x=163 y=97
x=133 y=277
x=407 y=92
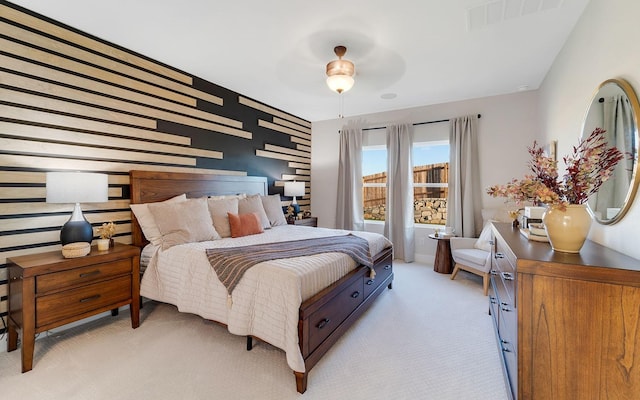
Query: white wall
x=603 y=45
x=508 y=125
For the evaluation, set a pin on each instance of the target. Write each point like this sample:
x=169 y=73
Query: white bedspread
x=267 y=300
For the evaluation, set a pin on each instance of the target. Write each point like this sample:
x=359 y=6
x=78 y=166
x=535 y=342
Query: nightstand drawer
x=81 y=276
x=57 y=307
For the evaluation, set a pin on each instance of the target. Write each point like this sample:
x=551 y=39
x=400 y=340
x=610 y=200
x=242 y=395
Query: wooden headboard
x=152 y=186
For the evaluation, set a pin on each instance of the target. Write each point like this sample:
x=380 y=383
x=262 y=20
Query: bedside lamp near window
x=293 y=189
x=77 y=187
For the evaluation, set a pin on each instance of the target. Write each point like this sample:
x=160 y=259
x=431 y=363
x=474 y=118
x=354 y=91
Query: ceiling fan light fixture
x=340 y=72
x=340 y=83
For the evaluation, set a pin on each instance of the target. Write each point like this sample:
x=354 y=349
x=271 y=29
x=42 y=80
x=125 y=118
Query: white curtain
x=617 y=119
x=464 y=209
x=399 y=219
x=350 y=213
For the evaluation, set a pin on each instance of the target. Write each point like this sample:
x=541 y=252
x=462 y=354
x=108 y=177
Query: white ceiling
x=423 y=51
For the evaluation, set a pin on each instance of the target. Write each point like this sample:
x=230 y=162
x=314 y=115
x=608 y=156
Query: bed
x=301 y=305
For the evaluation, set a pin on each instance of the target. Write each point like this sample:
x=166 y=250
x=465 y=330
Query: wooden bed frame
x=325 y=316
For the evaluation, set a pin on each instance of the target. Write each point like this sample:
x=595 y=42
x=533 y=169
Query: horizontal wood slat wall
x=71 y=101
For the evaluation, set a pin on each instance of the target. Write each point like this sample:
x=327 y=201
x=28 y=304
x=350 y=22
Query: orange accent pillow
x=244 y=224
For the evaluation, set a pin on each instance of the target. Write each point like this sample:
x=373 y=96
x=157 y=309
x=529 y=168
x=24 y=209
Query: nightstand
x=311 y=221
x=47 y=290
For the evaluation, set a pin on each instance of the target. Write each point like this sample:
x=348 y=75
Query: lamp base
x=296 y=208
x=76 y=231
x=77 y=228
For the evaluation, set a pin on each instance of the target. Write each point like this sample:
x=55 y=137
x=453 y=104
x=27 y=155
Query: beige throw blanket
x=231 y=263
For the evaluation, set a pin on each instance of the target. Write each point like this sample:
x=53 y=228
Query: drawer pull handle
x=94 y=297
x=505 y=350
x=492 y=300
x=323 y=323
x=89 y=274
x=494 y=272
x=387 y=267
x=505 y=308
x=355 y=294
x=499 y=255
x=507 y=276
x=370 y=282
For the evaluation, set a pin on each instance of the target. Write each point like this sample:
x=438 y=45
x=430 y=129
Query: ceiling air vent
x=496 y=11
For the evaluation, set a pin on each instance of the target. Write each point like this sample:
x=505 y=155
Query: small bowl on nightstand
x=76 y=249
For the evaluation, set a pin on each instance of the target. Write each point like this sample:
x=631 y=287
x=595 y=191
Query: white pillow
x=253 y=204
x=219 y=210
x=273 y=208
x=148 y=223
x=184 y=222
x=484 y=241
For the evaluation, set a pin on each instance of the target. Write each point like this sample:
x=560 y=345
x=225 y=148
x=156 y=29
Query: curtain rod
x=417 y=123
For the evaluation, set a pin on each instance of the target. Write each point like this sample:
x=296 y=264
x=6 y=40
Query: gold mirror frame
x=626 y=89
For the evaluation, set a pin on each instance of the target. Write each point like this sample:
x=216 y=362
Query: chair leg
x=485 y=283
x=455 y=271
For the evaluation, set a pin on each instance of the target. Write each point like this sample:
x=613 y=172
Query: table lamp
x=77 y=187
x=293 y=189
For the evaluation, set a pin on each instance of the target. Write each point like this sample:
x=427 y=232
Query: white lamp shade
x=77 y=187
x=293 y=189
x=340 y=83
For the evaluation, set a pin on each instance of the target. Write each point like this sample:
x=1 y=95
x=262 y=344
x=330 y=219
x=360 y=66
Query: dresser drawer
x=510 y=359
x=493 y=303
x=81 y=276
x=58 y=307
x=502 y=263
x=328 y=318
x=383 y=269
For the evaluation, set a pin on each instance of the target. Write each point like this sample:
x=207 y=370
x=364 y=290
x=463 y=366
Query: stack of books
x=535 y=232
x=531 y=215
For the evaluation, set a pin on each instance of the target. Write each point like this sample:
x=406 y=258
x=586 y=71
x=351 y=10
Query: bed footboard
x=325 y=317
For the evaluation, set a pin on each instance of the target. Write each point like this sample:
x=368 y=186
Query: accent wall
x=73 y=102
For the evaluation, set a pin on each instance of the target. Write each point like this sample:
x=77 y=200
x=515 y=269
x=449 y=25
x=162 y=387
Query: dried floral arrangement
x=107 y=230
x=589 y=165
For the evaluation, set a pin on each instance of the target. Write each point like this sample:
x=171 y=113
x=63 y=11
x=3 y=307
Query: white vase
x=567 y=230
x=103 y=244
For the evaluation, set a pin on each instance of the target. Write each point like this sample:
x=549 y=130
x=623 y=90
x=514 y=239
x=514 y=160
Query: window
x=430 y=182
x=430 y=176
x=374 y=182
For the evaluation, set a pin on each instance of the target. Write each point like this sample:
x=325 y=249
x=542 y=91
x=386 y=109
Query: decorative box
x=534 y=212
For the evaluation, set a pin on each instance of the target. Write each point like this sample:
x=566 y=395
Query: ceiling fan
x=340 y=72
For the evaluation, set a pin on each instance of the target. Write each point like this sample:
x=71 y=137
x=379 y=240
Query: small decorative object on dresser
x=47 y=291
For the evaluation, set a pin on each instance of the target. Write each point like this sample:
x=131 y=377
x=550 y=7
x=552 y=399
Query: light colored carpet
x=427 y=338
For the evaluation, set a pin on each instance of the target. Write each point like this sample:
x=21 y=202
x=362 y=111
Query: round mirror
x=614 y=107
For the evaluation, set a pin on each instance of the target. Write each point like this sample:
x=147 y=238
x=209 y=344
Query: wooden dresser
x=568 y=325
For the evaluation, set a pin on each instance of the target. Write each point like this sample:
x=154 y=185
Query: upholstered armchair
x=473 y=255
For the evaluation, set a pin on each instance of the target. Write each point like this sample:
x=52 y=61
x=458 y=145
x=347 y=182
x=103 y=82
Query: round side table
x=443 y=262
